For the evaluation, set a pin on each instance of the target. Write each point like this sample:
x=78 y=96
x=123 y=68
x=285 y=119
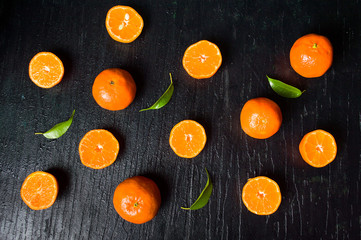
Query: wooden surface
x=254 y=37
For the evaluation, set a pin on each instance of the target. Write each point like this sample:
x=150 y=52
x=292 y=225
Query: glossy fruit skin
x=137 y=199
x=260 y=118
x=311 y=55
x=25 y=194
x=303 y=150
x=114 y=89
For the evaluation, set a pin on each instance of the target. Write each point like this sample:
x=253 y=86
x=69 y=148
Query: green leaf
x=164 y=99
x=59 y=129
x=204 y=197
x=284 y=89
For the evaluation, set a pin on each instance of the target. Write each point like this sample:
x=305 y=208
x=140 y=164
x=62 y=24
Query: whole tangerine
x=137 y=199
x=261 y=118
x=114 y=89
x=311 y=55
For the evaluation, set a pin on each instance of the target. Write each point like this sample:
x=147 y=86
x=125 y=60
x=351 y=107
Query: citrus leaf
x=164 y=99
x=59 y=129
x=284 y=89
x=203 y=197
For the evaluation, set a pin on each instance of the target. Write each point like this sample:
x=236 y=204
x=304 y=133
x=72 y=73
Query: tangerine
x=187 y=138
x=46 y=70
x=261 y=118
x=261 y=195
x=137 y=199
x=39 y=190
x=311 y=55
x=124 y=24
x=98 y=149
x=318 y=148
x=114 y=89
x=202 y=59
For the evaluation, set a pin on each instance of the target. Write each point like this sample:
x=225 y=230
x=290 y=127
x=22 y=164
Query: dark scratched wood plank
x=254 y=38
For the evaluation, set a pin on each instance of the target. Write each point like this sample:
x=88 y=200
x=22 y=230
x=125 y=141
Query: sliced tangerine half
x=261 y=195
x=46 y=69
x=318 y=148
x=39 y=190
x=187 y=138
x=98 y=149
x=202 y=59
x=124 y=24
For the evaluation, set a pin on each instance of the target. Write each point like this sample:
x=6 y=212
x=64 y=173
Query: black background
x=255 y=37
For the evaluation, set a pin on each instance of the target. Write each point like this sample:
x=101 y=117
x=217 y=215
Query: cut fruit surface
x=124 y=24
x=46 y=69
x=187 y=138
x=202 y=59
x=39 y=190
x=98 y=149
x=261 y=195
x=318 y=148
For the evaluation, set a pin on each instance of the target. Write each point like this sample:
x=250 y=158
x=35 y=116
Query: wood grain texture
x=255 y=38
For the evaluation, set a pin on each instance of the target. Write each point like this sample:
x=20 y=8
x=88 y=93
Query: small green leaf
x=204 y=197
x=164 y=99
x=284 y=89
x=59 y=129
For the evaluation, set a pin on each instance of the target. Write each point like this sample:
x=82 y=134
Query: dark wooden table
x=255 y=38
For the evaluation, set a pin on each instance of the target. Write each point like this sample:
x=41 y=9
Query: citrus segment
x=187 y=138
x=46 y=69
x=123 y=24
x=39 y=190
x=260 y=118
x=261 y=195
x=318 y=148
x=311 y=55
x=98 y=149
x=137 y=199
x=202 y=59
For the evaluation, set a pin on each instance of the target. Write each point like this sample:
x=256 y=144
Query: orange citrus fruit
x=114 y=89
x=311 y=55
x=187 y=138
x=137 y=199
x=261 y=195
x=261 y=118
x=202 y=59
x=39 y=190
x=124 y=24
x=46 y=69
x=98 y=149
x=318 y=148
